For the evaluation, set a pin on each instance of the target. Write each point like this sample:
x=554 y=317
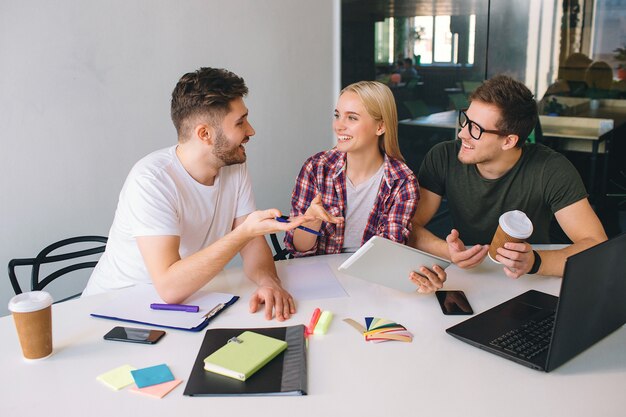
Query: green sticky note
x=117 y=378
x=322 y=324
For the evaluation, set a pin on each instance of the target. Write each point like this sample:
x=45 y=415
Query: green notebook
x=243 y=355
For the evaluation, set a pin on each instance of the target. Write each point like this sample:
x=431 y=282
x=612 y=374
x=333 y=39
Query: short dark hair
x=207 y=91
x=516 y=103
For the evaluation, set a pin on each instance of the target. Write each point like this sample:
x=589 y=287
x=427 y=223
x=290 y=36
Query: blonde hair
x=380 y=104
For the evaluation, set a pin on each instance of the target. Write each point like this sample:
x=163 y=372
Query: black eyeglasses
x=475 y=130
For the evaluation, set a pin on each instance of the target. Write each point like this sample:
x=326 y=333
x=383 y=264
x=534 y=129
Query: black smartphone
x=454 y=302
x=134 y=335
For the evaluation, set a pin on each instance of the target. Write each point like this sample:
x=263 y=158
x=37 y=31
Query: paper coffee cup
x=32 y=313
x=513 y=226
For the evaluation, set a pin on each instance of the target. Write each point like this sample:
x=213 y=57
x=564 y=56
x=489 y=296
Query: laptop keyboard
x=528 y=340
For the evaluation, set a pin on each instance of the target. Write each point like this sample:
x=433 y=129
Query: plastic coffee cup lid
x=516 y=224
x=30 y=301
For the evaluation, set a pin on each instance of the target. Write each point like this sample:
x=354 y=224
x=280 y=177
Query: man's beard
x=227 y=154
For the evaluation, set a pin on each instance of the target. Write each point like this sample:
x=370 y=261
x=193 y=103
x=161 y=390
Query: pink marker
x=314 y=318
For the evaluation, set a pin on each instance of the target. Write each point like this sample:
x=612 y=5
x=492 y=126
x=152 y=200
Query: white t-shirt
x=159 y=198
x=360 y=201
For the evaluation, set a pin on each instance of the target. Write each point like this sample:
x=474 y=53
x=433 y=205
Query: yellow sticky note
x=117 y=378
x=322 y=324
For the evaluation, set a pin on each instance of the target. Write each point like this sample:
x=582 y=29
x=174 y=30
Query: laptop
x=542 y=331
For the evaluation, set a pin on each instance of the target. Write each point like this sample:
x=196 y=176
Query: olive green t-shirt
x=541 y=183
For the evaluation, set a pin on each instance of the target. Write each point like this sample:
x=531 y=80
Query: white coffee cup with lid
x=32 y=314
x=513 y=226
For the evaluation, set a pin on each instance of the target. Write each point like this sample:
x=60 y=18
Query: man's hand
x=263 y=222
x=274 y=296
x=462 y=257
x=517 y=258
x=428 y=281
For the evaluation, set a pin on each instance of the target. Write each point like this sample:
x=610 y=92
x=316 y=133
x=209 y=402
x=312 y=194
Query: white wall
x=85 y=89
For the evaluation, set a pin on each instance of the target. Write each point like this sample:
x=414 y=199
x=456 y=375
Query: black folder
x=286 y=374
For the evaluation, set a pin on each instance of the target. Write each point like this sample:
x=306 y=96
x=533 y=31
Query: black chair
x=280 y=253
x=417 y=108
x=40 y=280
x=621 y=190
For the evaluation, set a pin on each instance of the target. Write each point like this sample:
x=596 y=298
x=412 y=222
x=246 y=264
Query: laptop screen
x=592 y=302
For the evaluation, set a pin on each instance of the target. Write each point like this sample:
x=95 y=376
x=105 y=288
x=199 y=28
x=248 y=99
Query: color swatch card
x=243 y=355
x=383 y=330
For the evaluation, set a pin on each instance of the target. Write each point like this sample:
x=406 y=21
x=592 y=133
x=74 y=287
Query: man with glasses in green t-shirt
x=491 y=170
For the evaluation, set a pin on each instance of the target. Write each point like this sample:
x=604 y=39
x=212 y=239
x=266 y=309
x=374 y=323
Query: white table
x=435 y=375
x=447 y=120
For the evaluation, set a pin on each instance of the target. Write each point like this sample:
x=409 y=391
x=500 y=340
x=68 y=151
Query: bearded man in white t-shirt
x=185 y=211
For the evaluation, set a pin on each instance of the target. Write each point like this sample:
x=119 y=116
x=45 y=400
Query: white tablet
x=389 y=263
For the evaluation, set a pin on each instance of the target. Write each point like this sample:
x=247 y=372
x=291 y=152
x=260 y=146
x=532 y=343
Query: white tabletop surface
x=435 y=375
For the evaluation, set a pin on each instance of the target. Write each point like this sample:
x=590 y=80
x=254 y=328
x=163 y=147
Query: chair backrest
x=470 y=86
x=412 y=83
x=536 y=136
x=458 y=101
x=70 y=255
x=417 y=108
x=599 y=76
x=280 y=253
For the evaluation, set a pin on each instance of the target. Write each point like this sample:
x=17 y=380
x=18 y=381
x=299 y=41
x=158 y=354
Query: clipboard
x=133 y=306
x=284 y=375
x=389 y=263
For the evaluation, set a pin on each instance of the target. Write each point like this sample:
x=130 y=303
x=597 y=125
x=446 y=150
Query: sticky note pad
x=152 y=375
x=322 y=324
x=158 y=390
x=117 y=378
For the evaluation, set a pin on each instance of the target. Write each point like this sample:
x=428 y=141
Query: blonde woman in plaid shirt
x=359 y=188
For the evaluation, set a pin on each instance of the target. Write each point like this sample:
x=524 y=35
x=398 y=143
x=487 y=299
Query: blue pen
x=285 y=219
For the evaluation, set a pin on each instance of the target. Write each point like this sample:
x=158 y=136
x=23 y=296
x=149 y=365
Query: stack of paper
x=154 y=381
x=383 y=330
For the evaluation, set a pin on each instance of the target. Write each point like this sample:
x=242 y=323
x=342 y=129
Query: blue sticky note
x=152 y=375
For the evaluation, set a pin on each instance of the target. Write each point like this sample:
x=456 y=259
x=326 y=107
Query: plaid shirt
x=324 y=173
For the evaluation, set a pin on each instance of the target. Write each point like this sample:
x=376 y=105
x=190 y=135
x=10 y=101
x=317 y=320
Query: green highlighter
x=243 y=355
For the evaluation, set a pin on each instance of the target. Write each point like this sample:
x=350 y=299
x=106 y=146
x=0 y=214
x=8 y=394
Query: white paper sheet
x=310 y=281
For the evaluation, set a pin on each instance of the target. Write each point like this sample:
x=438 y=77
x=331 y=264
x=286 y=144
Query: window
x=434 y=39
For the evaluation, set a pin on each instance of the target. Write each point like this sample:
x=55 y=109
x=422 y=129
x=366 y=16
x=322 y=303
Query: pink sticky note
x=159 y=390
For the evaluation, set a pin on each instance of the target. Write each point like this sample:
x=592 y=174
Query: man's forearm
x=258 y=262
x=186 y=276
x=553 y=261
x=422 y=239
